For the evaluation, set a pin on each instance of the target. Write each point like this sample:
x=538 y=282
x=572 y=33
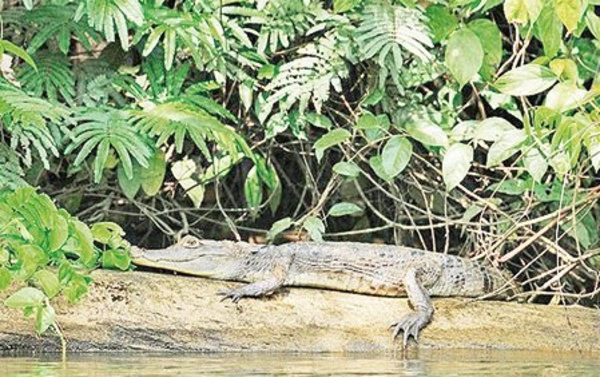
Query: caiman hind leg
x=412 y=323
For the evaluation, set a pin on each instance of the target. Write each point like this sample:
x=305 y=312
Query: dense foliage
x=46 y=247
x=466 y=126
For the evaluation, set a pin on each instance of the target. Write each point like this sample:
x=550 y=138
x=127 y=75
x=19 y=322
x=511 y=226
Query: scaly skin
x=380 y=270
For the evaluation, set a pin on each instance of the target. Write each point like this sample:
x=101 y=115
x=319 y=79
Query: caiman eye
x=190 y=242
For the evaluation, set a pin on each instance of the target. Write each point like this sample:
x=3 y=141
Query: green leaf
x=441 y=22
x=45 y=317
x=464 y=55
x=565 y=96
x=129 y=186
x=182 y=171
x=116 y=259
x=17 y=51
x=315 y=228
x=347 y=169
x=341 y=6
x=330 y=139
x=593 y=23
x=491 y=129
x=396 y=155
x=376 y=163
x=568 y=11
x=48 y=282
x=535 y=163
x=471 y=212
x=5 y=278
x=85 y=247
x=151 y=178
x=319 y=120
x=59 y=231
x=108 y=233
x=25 y=297
x=522 y=11
x=526 y=80
x=456 y=164
x=505 y=147
x=77 y=287
x=343 y=209
x=511 y=187
x=427 y=133
x=367 y=121
x=491 y=41
x=253 y=190
x=549 y=29
x=32 y=257
x=278 y=227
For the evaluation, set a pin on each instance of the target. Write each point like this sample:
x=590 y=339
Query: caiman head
x=192 y=256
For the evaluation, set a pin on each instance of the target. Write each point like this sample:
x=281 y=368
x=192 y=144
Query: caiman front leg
x=258 y=289
x=269 y=283
x=423 y=309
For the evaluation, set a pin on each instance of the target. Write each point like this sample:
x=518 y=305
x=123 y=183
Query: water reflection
x=422 y=363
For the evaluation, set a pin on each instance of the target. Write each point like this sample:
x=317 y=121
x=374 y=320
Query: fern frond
x=282 y=22
x=28 y=121
x=386 y=31
x=57 y=21
x=103 y=130
x=11 y=172
x=52 y=77
x=108 y=15
x=308 y=79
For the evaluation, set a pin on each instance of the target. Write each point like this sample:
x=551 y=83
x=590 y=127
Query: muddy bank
x=160 y=312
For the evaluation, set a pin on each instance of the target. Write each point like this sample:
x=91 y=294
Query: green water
x=421 y=363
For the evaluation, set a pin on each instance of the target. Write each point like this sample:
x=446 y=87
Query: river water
x=415 y=363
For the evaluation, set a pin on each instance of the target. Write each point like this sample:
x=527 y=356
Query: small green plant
x=45 y=252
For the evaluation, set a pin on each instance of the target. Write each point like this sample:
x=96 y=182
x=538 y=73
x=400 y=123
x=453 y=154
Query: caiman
x=372 y=269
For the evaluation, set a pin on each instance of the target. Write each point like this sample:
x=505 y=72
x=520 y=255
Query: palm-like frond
x=108 y=15
x=385 y=31
x=27 y=120
x=57 y=21
x=11 y=172
x=308 y=79
x=52 y=77
x=201 y=35
x=180 y=120
x=282 y=22
x=102 y=130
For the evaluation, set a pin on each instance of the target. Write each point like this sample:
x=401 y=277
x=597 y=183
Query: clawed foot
x=234 y=294
x=410 y=325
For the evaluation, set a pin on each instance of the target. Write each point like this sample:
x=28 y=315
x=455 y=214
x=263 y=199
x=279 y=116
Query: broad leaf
x=25 y=297
x=427 y=133
x=456 y=164
x=396 y=155
x=315 y=228
x=505 y=147
x=526 y=80
x=464 y=55
x=278 y=227
x=343 y=209
x=568 y=12
x=347 y=169
x=330 y=139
